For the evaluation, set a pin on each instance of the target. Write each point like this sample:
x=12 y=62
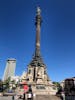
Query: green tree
x=6 y=83
x=57 y=84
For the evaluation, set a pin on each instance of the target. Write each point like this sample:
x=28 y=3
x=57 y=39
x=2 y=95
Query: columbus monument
x=36 y=74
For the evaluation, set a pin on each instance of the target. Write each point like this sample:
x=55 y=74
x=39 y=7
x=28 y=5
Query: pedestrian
x=63 y=96
x=24 y=96
x=30 y=94
x=34 y=96
x=13 y=97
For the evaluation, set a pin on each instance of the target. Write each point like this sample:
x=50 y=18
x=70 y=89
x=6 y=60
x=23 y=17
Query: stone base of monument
x=43 y=90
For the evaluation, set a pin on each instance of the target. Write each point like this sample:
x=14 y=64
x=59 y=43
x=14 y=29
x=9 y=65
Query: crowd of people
x=27 y=95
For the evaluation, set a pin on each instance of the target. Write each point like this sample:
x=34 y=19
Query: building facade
x=69 y=86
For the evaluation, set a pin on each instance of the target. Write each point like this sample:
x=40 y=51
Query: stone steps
x=38 y=97
x=47 y=97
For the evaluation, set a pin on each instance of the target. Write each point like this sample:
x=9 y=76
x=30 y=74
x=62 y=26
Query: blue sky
x=17 y=35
